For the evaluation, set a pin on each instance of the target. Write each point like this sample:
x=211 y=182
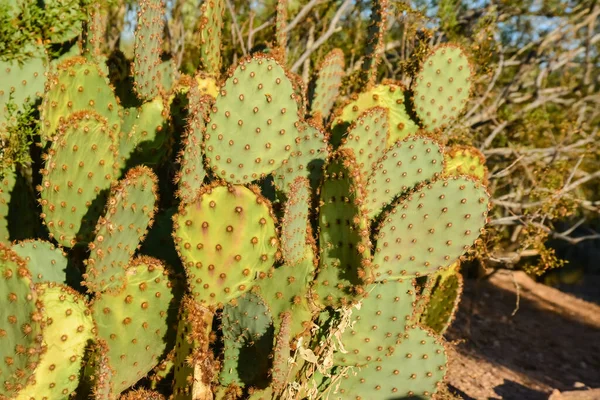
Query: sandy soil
x=551 y=343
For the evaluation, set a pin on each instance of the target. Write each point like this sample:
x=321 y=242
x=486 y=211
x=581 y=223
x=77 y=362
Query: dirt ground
x=551 y=343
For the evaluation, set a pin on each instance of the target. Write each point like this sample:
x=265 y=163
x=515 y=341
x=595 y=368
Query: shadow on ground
x=552 y=341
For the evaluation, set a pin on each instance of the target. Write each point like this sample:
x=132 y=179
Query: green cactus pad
x=327 y=86
x=380 y=323
x=389 y=96
x=46 y=262
x=307 y=159
x=225 y=238
x=191 y=175
x=211 y=23
x=253 y=123
x=21 y=84
x=147 y=69
x=133 y=321
x=444 y=299
x=415 y=369
x=7 y=184
x=68 y=327
x=281 y=353
x=466 y=160
x=81 y=163
x=96 y=28
x=367 y=138
x=77 y=85
x=21 y=324
x=193 y=358
x=375 y=45
x=344 y=233
x=246 y=324
x=296 y=233
x=442 y=87
x=130 y=209
x=285 y=289
x=430 y=228
x=408 y=163
x=142 y=125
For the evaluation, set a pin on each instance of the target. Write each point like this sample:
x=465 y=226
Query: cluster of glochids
x=317 y=252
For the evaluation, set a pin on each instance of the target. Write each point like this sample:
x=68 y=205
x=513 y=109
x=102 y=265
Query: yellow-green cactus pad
x=21 y=323
x=253 y=123
x=409 y=162
x=389 y=96
x=81 y=162
x=465 y=160
x=133 y=322
x=444 y=299
x=226 y=237
x=430 y=228
x=129 y=212
x=68 y=328
x=414 y=370
x=442 y=86
x=77 y=85
x=327 y=86
x=46 y=262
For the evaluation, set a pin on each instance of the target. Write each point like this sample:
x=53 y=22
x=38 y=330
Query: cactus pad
x=246 y=323
x=307 y=159
x=403 y=166
x=253 y=123
x=211 y=23
x=133 y=321
x=68 y=328
x=413 y=371
x=344 y=233
x=375 y=42
x=430 y=228
x=327 y=86
x=367 y=138
x=20 y=324
x=442 y=86
x=77 y=85
x=296 y=233
x=142 y=394
x=129 y=211
x=389 y=96
x=466 y=160
x=191 y=175
x=7 y=184
x=46 y=262
x=444 y=299
x=140 y=125
x=20 y=85
x=81 y=163
x=380 y=323
x=192 y=355
x=226 y=237
x=148 y=48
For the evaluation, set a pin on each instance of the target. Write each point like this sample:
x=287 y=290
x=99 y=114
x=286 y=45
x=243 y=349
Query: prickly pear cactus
x=21 y=323
x=300 y=253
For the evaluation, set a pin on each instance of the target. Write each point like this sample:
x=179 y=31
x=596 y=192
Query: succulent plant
x=293 y=245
